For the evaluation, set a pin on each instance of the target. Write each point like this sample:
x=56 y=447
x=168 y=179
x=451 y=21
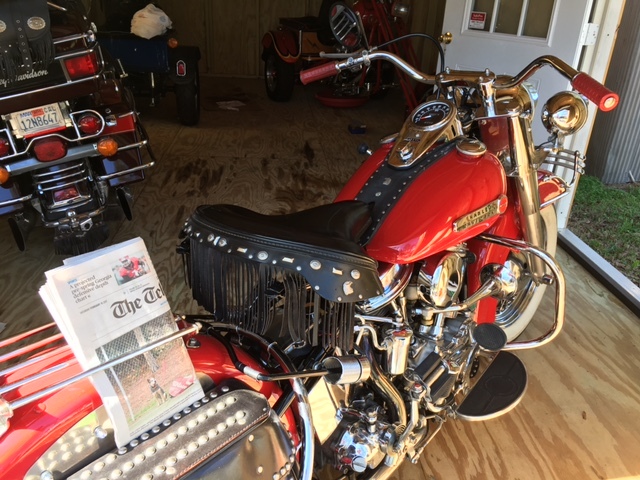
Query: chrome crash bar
x=560 y=286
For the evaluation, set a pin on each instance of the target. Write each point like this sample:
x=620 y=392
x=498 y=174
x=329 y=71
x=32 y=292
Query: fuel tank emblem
x=490 y=210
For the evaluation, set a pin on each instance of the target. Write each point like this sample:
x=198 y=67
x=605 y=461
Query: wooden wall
x=229 y=33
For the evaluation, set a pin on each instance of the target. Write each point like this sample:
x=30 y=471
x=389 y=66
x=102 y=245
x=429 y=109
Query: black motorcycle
x=70 y=139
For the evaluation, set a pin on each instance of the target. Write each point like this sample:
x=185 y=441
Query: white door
x=505 y=35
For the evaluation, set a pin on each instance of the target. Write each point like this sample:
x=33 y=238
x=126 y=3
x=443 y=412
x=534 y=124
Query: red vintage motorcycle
x=305 y=41
x=384 y=314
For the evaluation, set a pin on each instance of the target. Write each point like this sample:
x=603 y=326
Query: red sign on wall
x=477 y=20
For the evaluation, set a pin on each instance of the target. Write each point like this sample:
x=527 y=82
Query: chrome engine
x=423 y=364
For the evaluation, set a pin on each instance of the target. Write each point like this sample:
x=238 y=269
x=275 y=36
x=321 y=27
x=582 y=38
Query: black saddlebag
x=229 y=435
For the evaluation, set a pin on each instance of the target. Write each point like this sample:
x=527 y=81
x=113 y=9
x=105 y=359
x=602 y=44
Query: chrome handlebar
x=485 y=81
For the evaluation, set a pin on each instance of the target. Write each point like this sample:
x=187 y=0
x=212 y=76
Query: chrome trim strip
x=32 y=378
x=70 y=179
x=16 y=201
x=553 y=200
x=27 y=334
x=125 y=172
x=46 y=89
x=560 y=291
x=68 y=220
x=32 y=360
x=142 y=143
x=70 y=38
x=53 y=176
x=116 y=361
x=77 y=152
x=30 y=348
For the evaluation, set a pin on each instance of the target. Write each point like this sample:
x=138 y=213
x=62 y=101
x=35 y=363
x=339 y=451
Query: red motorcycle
x=70 y=140
x=301 y=42
x=386 y=313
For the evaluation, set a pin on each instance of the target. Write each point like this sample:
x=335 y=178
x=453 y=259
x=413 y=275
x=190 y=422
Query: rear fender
x=187 y=57
x=284 y=42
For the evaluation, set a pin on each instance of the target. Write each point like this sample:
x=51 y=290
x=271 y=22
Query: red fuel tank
x=443 y=199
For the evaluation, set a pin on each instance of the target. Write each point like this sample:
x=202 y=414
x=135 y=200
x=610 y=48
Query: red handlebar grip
x=605 y=99
x=317 y=73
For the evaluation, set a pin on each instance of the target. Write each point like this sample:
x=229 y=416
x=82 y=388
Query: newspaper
x=108 y=303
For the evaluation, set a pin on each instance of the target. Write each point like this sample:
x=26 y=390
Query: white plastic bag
x=149 y=22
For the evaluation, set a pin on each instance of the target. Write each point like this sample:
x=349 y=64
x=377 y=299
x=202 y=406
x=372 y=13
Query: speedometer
x=432 y=114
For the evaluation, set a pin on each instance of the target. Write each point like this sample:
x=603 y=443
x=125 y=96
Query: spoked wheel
x=279 y=77
x=515 y=312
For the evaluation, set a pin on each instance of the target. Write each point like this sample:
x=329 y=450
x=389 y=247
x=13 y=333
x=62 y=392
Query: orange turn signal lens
x=4 y=175
x=107 y=146
x=172 y=42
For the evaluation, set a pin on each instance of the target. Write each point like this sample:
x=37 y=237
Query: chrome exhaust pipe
x=21 y=224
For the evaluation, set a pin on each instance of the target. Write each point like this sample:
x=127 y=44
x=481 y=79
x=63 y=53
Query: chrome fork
x=526 y=180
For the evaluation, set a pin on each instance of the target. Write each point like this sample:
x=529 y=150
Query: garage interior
x=580 y=416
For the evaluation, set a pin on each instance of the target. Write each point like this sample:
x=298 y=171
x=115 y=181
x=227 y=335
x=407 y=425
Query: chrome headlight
x=565 y=112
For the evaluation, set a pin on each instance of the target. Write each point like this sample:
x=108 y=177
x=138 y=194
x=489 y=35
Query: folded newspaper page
x=108 y=303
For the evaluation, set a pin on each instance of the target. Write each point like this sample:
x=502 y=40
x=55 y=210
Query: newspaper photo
x=109 y=303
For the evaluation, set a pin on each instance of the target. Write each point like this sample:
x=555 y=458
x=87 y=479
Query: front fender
x=284 y=42
x=551 y=187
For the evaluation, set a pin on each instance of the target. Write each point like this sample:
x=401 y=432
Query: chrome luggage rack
x=44 y=349
x=572 y=160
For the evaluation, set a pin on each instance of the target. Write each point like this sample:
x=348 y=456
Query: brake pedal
x=498 y=391
x=490 y=337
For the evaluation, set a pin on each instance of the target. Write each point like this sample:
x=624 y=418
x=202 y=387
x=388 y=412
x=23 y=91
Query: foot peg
x=498 y=390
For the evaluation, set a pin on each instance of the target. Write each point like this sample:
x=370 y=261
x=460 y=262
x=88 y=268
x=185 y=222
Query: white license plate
x=34 y=121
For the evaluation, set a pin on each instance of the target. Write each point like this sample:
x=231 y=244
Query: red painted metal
x=285 y=42
x=550 y=186
x=420 y=224
x=35 y=427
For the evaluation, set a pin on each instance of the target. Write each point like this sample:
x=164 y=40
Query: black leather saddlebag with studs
x=232 y=434
x=294 y=277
